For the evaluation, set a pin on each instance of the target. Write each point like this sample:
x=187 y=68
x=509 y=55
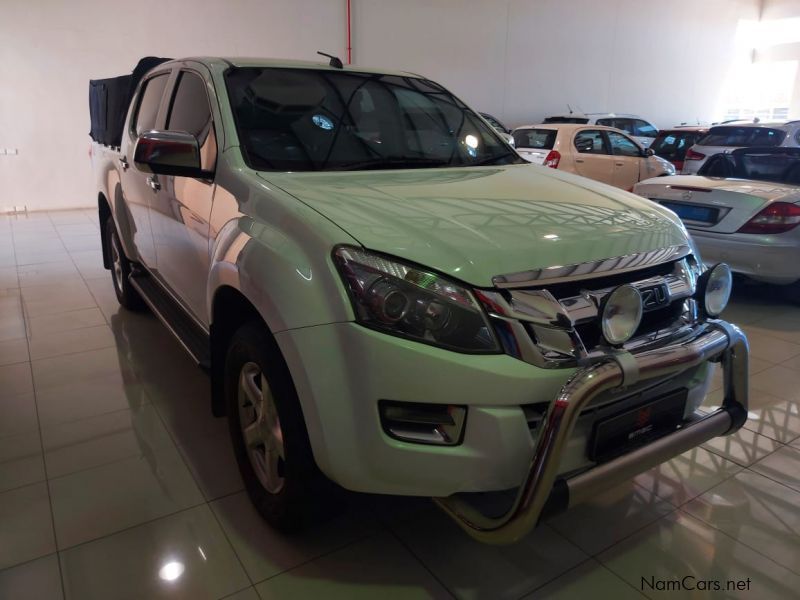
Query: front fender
x=291 y=283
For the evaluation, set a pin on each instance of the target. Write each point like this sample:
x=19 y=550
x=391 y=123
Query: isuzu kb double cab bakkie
x=388 y=298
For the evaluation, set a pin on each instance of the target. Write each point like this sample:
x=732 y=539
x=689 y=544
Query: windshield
x=742 y=136
x=535 y=138
x=761 y=166
x=672 y=145
x=317 y=120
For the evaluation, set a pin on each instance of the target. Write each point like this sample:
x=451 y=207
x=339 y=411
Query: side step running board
x=190 y=335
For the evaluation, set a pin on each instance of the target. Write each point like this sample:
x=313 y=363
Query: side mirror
x=508 y=138
x=648 y=152
x=169 y=153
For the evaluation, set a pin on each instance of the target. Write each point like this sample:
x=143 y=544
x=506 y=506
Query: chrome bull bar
x=718 y=341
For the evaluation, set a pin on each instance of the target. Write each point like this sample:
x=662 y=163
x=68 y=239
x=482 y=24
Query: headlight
x=622 y=313
x=714 y=289
x=406 y=301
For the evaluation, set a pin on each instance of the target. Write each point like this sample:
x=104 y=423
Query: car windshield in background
x=783 y=167
x=316 y=120
x=576 y=120
x=672 y=145
x=742 y=136
x=535 y=138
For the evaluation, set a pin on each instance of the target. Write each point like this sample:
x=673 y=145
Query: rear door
x=181 y=209
x=592 y=156
x=627 y=159
x=136 y=184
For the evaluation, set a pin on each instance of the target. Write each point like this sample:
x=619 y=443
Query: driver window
x=590 y=141
x=623 y=146
x=190 y=112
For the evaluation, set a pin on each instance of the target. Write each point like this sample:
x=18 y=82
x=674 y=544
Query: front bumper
x=720 y=341
x=770 y=258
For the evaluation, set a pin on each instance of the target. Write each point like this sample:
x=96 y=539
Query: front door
x=181 y=208
x=627 y=157
x=592 y=156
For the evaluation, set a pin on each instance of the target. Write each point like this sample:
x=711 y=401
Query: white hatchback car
x=635 y=126
x=601 y=153
x=730 y=136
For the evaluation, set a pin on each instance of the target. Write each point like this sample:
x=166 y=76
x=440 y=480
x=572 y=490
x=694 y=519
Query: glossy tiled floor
x=115 y=481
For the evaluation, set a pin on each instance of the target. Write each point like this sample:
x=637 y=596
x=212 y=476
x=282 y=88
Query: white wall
x=519 y=59
x=776 y=12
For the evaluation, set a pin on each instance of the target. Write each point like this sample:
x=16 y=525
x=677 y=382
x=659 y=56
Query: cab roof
x=286 y=63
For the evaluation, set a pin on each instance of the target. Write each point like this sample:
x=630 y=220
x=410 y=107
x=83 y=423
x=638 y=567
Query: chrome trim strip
x=719 y=341
x=588 y=270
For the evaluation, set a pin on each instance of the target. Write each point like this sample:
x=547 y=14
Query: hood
x=475 y=223
x=762 y=189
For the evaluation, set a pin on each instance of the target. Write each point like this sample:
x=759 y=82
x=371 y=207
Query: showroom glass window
x=149 y=103
x=310 y=120
x=591 y=141
x=190 y=112
x=622 y=146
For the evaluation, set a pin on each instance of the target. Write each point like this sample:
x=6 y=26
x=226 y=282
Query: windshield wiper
x=389 y=163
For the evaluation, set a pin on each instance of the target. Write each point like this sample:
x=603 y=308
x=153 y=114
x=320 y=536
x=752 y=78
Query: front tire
x=121 y=270
x=269 y=435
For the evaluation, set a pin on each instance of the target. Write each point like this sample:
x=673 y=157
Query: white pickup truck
x=389 y=298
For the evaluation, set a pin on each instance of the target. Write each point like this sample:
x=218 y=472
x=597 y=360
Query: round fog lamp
x=622 y=312
x=715 y=286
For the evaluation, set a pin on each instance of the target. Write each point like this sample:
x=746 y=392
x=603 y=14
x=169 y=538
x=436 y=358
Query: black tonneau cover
x=109 y=100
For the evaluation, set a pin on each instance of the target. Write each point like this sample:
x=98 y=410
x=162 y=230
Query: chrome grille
x=557 y=325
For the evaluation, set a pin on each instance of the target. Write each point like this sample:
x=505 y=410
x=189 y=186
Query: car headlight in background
x=714 y=289
x=621 y=314
x=404 y=300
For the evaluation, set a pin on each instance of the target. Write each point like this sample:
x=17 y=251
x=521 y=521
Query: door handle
x=620 y=164
x=124 y=162
x=153 y=183
x=579 y=160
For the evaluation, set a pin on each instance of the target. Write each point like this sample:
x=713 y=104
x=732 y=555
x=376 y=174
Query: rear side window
x=535 y=138
x=644 y=129
x=149 y=103
x=626 y=125
x=577 y=120
x=591 y=141
x=742 y=136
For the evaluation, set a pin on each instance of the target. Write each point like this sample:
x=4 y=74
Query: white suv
x=635 y=126
x=730 y=136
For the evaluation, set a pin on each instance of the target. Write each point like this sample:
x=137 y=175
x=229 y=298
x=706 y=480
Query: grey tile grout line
x=41 y=440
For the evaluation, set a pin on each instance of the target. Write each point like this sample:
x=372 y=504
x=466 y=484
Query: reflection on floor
x=115 y=481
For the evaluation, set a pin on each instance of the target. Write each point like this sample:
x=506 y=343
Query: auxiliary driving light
x=714 y=289
x=622 y=312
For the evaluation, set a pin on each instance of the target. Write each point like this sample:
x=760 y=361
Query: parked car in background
x=742 y=208
x=495 y=122
x=499 y=127
x=635 y=126
x=672 y=144
x=728 y=137
x=596 y=152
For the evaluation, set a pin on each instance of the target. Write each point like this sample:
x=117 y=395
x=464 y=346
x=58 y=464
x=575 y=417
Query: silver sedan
x=742 y=208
